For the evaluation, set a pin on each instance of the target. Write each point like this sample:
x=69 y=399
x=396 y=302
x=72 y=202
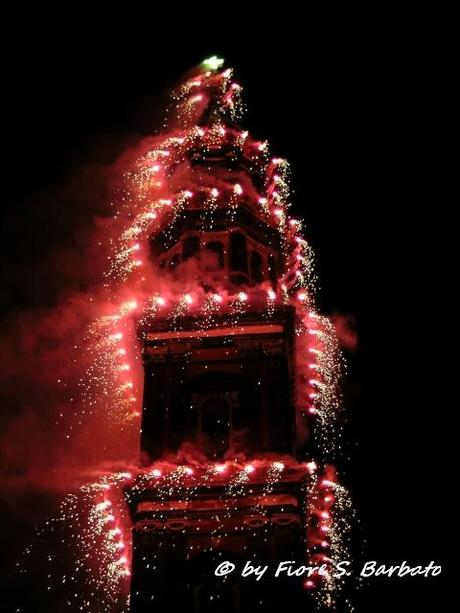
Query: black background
x=363 y=115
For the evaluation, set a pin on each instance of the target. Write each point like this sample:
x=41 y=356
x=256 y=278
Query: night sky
x=364 y=120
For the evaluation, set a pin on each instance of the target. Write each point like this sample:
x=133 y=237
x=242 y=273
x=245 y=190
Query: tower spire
x=210 y=96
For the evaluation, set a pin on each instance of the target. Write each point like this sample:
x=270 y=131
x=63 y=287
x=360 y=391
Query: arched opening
x=216 y=248
x=238 y=252
x=191 y=247
x=174 y=262
x=222 y=415
x=257 y=265
x=272 y=269
x=215 y=426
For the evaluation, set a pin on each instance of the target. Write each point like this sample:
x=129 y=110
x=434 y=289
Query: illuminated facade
x=228 y=391
x=207 y=351
x=236 y=369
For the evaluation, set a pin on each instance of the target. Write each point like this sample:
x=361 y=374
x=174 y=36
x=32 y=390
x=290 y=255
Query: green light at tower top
x=213 y=62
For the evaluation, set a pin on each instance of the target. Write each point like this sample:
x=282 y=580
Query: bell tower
x=220 y=376
x=227 y=407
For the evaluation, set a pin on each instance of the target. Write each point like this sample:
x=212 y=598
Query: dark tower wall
x=244 y=376
x=219 y=430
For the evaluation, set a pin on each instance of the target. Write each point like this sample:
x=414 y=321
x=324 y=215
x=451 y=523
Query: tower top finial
x=207 y=96
x=212 y=63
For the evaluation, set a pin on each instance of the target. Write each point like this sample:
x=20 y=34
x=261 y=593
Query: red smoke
x=345 y=328
x=41 y=348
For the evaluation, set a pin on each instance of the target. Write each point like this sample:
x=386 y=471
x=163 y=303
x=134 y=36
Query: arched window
x=215 y=426
x=218 y=249
x=238 y=252
x=256 y=267
x=272 y=269
x=174 y=262
x=191 y=247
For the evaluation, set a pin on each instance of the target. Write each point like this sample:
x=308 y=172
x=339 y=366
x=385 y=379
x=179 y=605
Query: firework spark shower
x=101 y=402
x=153 y=275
